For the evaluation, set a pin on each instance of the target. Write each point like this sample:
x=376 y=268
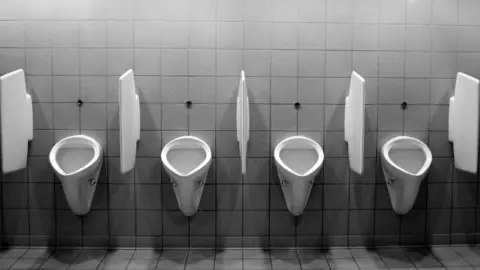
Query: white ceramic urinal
x=355 y=122
x=16 y=120
x=129 y=117
x=243 y=121
x=77 y=162
x=463 y=122
x=298 y=160
x=405 y=162
x=186 y=160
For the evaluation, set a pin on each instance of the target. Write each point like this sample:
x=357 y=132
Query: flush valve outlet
x=92 y=181
x=390 y=181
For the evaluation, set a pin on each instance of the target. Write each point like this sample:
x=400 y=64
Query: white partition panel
x=17 y=121
x=463 y=122
x=355 y=122
x=129 y=116
x=243 y=121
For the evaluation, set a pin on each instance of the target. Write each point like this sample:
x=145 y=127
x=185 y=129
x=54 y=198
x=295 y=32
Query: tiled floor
x=461 y=257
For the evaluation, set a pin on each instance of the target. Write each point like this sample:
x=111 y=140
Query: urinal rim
x=175 y=142
x=64 y=142
x=390 y=144
x=310 y=142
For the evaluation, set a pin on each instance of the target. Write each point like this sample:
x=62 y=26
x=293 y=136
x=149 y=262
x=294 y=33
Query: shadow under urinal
x=360 y=195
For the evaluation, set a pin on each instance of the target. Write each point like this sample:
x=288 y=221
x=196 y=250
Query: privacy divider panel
x=291 y=50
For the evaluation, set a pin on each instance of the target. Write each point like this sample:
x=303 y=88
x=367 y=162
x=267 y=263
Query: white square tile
x=147 y=62
x=174 y=62
x=119 y=61
x=119 y=35
x=147 y=34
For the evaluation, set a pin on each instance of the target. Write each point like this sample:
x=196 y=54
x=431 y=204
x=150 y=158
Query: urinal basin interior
x=185 y=160
x=299 y=155
x=408 y=155
x=299 y=160
x=410 y=159
x=71 y=159
x=74 y=154
x=186 y=155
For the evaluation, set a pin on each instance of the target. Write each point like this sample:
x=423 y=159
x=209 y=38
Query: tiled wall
x=291 y=50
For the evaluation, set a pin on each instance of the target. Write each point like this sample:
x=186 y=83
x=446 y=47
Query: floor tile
x=364 y=253
x=7 y=262
x=257 y=264
x=202 y=254
x=285 y=264
x=114 y=264
x=398 y=262
x=422 y=258
x=22 y=264
x=469 y=254
x=314 y=263
x=125 y=254
x=55 y=264
x=37 y=253
x=228 y=264
x=448 y=257
x=338 y=253
x=88 y=259
x=199 y=264
x=142 y=265
x=65 y=255
x=171 y=263
x=370 y=263
x=256 y=254
x=174 y=253
x=13 y=253
x=146 y=254
x=342 y=263
x=229 y=254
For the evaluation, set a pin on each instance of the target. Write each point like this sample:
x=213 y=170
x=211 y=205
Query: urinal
x=405 y=162
x=186 y=160
x=298 y=160
x=77 y=162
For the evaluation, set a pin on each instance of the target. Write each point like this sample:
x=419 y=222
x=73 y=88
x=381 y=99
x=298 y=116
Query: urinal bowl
x=298 y=160
x=405 y=163
x=77 y=162
x=186 y=161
